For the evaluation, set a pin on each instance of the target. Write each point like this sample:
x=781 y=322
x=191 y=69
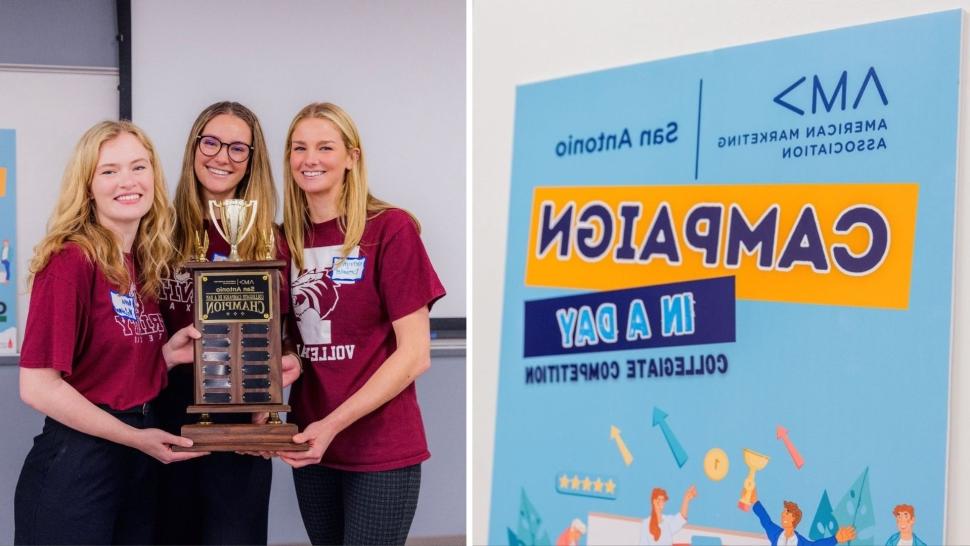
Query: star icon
x=563 y=482
x=575 y=482
x=587 y=483
x=611 y=487
x=598 y=485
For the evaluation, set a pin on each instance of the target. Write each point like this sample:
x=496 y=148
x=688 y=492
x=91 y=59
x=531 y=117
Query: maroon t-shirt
x=344 y=315
x=107 y=344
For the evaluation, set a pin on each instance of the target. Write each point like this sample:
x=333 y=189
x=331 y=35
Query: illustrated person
x=363 y=286
x=905 y=516
x=222 y=499
x=572 y=534
x=791 y=515
x=5 y=261
x=660 y=528
x=95 y=352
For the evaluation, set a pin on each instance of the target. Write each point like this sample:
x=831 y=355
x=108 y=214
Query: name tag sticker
x=347 y=270
x=124 y=305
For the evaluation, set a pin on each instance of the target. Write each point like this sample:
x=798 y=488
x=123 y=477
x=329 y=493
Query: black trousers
x=222 y=498
x=78 y=489
x=340 y=507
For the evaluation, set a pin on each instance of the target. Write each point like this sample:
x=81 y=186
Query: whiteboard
x=398 y=68
x=48 y=122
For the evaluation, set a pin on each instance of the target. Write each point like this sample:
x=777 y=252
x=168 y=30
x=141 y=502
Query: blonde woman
x=222 y=499
x=95 y=352
x=362 y=289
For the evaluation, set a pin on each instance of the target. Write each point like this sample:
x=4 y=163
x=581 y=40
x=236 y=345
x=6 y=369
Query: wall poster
x=729 y=278
x=8 y=239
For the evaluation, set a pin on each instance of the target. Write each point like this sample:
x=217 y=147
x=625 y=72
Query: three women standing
x=109 y=284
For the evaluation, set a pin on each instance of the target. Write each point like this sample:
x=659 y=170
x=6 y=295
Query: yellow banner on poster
x=3 y=181
x=835 y=244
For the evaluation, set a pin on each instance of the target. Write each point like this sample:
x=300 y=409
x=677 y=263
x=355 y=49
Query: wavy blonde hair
x=355 y=203
x=75 y=217
x=256 y=184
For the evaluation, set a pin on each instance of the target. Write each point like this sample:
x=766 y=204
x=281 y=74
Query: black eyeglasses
x=211 y=146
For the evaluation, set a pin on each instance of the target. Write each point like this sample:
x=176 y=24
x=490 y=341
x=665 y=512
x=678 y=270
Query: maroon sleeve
x=407 y=280
x=59 y=301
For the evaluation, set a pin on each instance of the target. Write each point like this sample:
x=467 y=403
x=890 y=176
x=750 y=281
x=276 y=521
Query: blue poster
x=728 y=295
x=8 y=239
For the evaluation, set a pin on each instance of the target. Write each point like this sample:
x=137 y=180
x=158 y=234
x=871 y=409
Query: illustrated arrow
x=782 y=434
x=660 y=418
x=615 y=435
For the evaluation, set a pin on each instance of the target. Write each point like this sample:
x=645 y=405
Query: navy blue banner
x=666 y=315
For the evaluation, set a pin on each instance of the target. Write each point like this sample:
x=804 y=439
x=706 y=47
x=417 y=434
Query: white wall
x=517 y=42
x=397 y=67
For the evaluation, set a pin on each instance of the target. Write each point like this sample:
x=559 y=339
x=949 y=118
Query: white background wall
x=518 y=42
x=397 y=67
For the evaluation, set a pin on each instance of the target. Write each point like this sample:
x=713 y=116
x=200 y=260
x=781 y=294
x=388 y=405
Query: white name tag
x=124 y=305
x=347 y=270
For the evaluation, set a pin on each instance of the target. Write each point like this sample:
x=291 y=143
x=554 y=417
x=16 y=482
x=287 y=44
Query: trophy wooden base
x=241 y=437
x=237 y=408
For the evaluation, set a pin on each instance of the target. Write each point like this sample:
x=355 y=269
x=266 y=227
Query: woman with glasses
x=362 y=287
x=223 y=499
x=95 y=352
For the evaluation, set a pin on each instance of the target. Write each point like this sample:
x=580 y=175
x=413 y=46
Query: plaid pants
x=341 y=507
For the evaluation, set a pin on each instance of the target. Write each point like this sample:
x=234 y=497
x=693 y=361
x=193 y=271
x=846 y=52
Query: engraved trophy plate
x=238 y=360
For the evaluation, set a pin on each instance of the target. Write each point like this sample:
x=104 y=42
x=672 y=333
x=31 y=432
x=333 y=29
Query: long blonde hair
x=75 y=217
x=256 y=184
x=355 y=203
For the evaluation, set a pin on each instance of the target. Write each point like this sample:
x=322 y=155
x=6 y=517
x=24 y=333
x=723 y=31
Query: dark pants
x=78 y=489
x=222 y=498
x=340 y=507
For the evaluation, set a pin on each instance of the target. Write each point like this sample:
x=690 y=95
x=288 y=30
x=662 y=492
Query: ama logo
x=825 y=95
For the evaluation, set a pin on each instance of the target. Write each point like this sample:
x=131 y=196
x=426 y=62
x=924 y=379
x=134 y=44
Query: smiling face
x=658 y=504
x=123 y=183
x=787 y=519
x=219 y=174
x=319 y=159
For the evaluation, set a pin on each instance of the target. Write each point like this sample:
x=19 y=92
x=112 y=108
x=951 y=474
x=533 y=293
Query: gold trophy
x=755 y=461
x=234 y=214
x=238 y=366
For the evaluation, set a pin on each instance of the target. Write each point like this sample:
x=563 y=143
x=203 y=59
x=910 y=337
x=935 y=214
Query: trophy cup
x=755 y=461
x=237 y=366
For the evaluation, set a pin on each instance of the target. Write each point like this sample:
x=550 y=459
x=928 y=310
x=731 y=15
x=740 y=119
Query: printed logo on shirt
x=349 y=270
x=315 y=294
x=132 y=319
x=178 y=290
